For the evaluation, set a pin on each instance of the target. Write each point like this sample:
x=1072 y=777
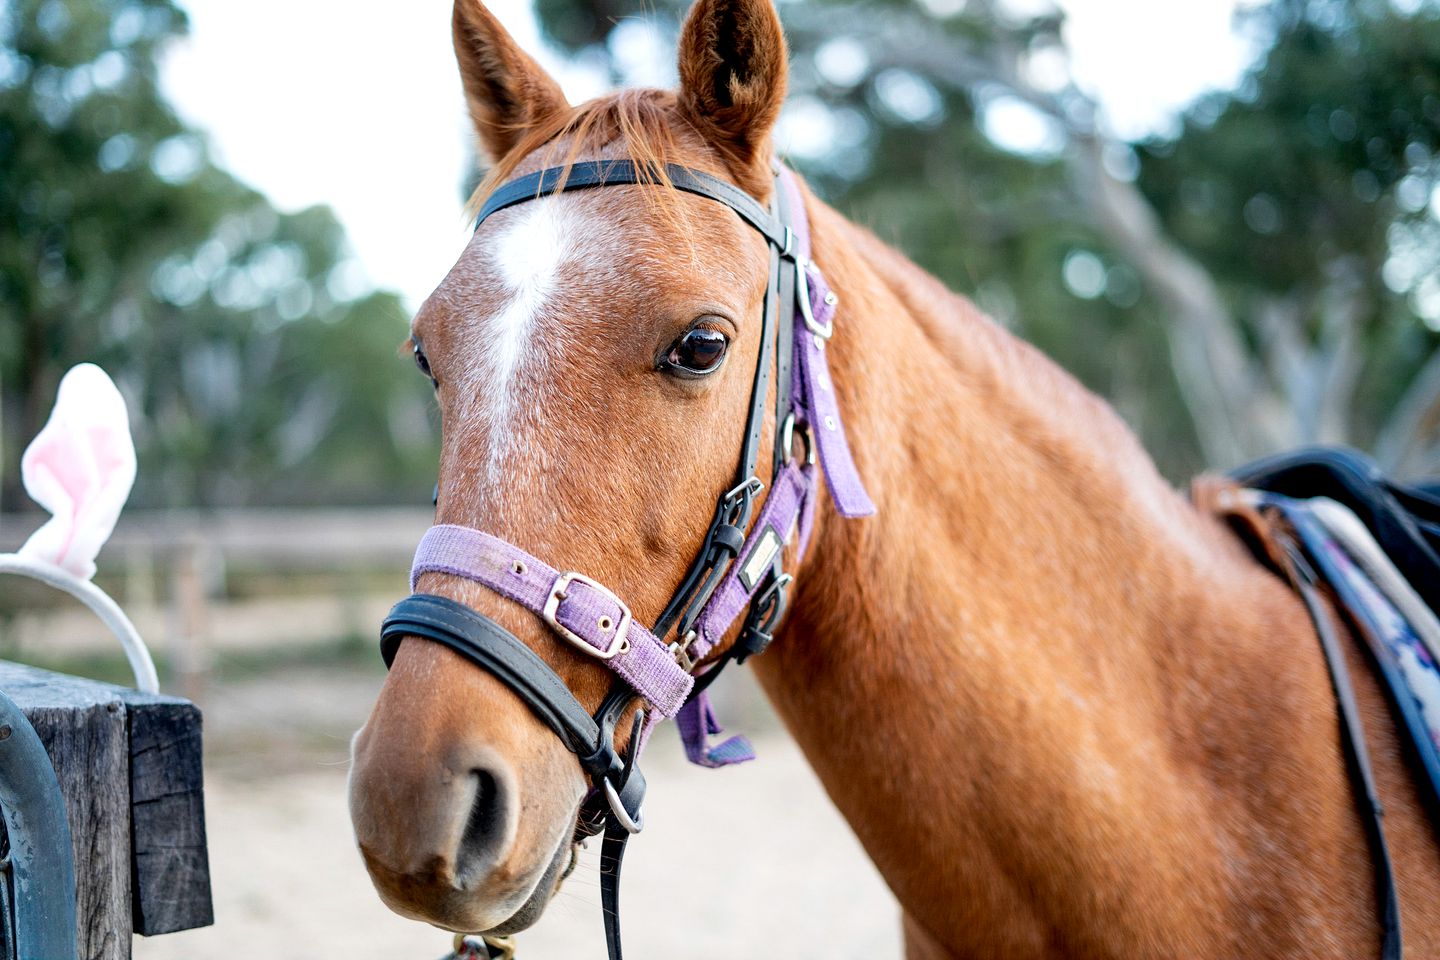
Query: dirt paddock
x=750 y=861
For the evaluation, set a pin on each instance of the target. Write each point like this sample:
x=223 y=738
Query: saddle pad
x=1376 y=545
x=1394 y=637
x=1342 y=524
x=1404 y=520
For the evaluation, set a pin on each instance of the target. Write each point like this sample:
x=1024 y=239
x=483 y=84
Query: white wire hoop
x=101 y=604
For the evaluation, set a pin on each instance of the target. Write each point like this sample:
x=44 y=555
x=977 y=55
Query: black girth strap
x=1352 y=738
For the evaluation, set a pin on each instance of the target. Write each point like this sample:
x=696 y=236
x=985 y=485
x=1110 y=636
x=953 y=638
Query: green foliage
x=1301 y=167
x=258 y=370
x=1311 y=186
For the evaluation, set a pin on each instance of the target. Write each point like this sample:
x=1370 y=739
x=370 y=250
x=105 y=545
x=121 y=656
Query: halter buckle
x=681 y=650
x=765 y=613
x=619 y=644
x=735 y=504
x=802 y=299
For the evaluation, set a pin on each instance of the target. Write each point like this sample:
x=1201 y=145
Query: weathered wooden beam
x=129 y=766
x=167 y=809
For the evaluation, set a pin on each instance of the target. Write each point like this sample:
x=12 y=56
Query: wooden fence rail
x=202 y=583
x=318 y=539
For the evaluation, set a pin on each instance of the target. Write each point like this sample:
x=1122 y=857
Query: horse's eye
x=698 y=351
x=423 y=363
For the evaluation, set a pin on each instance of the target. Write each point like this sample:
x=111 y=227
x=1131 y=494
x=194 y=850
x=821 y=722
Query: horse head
x=594 y=354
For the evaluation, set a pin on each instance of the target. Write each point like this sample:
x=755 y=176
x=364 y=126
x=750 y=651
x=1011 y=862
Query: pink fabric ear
x=80 y=467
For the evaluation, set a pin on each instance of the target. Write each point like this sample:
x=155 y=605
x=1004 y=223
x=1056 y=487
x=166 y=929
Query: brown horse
x=1066 y=713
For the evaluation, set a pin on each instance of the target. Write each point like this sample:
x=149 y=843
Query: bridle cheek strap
x=814 y=402
x=787 y=517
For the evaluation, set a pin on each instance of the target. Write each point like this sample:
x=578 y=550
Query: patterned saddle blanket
x=1376 y=545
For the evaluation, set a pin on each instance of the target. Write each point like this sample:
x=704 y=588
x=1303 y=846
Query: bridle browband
x=737 y=570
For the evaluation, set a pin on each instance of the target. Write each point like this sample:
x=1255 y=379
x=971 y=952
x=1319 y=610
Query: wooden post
x=129 y=768
x=191 y=619
x=167 y=816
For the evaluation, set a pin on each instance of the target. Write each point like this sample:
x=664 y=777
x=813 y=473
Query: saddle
x=1338 y=530
x=1403 y=520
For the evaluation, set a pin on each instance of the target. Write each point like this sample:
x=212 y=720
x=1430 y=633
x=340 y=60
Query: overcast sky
x=358 y=105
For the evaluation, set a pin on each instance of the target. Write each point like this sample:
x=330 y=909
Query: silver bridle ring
x=787 y=440
x=617 y=809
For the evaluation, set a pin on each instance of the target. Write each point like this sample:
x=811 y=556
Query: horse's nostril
x=485 y=828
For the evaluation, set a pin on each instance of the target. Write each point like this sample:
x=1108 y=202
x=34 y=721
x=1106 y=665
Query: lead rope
x=612 y=845
x=612 y=856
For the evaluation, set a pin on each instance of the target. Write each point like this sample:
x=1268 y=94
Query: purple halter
x=598 y=623
x=737 y=571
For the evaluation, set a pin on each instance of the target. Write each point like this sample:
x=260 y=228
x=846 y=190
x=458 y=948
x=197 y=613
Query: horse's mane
x=640 y=120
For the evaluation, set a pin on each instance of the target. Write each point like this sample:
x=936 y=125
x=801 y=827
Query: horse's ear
x=506 y=90
x=732 y=80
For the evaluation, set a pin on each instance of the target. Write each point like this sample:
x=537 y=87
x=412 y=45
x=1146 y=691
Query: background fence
x=206 y=585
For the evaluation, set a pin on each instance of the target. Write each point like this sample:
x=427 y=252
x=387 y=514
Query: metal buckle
x=771 y=603
x=802 y=297
x=736 y=502
x=787 y=440
x=765 y=613
x=754 y=486
x=681 y=650
x=617 y=809
x=621 y=641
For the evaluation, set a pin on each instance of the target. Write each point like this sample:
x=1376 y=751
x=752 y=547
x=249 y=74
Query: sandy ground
x=752 y=861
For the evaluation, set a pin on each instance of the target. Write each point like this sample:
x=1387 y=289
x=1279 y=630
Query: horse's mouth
x=562 y=864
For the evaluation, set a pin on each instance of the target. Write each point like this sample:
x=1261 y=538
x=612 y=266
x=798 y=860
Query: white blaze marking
x=528 y=256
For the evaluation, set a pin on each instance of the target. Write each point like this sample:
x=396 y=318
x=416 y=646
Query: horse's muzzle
x=441 y=774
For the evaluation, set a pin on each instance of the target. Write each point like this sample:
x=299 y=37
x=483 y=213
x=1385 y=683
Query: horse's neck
x=1040 y=685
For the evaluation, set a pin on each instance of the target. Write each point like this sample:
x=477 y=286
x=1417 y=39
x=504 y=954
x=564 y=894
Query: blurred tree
x=257 y=365
x=1307 y=196
x=1265 y=278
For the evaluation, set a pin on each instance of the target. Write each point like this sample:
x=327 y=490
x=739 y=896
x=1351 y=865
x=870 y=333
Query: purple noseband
x=576 y=608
